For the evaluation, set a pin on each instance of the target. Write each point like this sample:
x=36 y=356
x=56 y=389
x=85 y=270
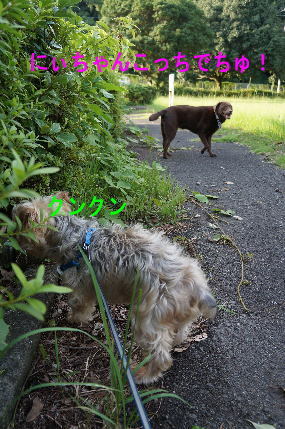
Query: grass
x=64 y=389
x=258 y=123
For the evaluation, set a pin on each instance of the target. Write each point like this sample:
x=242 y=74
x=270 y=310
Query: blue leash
x=76 y=262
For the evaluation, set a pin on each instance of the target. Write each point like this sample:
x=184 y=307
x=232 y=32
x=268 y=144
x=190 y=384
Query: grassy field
x=257 y=122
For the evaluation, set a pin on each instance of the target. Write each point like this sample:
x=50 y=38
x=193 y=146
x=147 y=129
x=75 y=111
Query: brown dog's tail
x=156 y=115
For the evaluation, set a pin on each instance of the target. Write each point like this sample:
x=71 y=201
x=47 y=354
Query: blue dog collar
x=75 y=262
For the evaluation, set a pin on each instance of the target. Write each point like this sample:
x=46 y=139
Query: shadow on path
x=236 y=373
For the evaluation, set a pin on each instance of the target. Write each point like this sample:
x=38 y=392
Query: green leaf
x=97 y=413
x=6 y=219
x=96 y=109
x=157 y=166
x=30 y=235
x=55 y=128
x=46 y=170
x=109 y=181
x=224 y=212
x=19 y=273
x=123 y=185
x=55 y=289
x=217 y=237
x=165 y=395
x=37 y=305
x=201 y=197
x=157 y=202
x=40 y=274
x=110 y=86
x=213 y=197
x=17 y=160
x=29 y=309
x=67 y=3
x=263 y=426
x=66 y=138
x=19 y=222
x=4 y=330
x=23 y=193
x=106 y=93
x=15 y=244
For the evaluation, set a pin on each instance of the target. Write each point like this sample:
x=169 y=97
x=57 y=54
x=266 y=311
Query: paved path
x=236 y=374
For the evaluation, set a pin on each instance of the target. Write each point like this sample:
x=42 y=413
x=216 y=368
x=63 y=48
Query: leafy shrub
x=10 y=182
x=247 y=93
x=67 y=119
x=140 y=94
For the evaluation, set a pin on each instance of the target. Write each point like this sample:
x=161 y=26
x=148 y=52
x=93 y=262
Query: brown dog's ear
x=218 y=106
x=63 y=195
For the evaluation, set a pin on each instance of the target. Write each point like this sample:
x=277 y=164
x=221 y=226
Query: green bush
x=65 y=118
x=247 y=93
x=10 y=187
x=140 y=94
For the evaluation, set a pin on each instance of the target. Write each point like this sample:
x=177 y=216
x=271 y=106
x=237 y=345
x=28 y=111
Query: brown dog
x=202 y=120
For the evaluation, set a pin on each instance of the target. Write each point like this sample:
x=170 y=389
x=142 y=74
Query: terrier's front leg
x=159 y=347
x=82 y=302
x=181 y=334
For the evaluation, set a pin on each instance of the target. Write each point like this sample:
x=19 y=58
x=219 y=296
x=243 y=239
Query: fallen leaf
x=200 y=337
x=212 y=225
x=237 y=217
x=35 y=411
x=224 y=212
x=264 y=426
x=217 y=237
x=187 y=343
x=201 y=197
x=214 y=197
x=181 y=349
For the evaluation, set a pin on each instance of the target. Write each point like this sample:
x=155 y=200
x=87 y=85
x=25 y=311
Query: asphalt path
x=237 y=373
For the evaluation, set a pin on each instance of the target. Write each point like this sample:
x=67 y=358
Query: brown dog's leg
x=164 y=140
x=204 y=141
x=168 y=132
x=207 y=144
x=209 y=147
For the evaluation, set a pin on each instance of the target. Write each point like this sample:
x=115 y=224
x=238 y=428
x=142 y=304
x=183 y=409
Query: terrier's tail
x=156 y=115
x=208 y=306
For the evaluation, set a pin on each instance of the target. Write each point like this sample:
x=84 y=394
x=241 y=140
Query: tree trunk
x=278 y=86
x=219 y=82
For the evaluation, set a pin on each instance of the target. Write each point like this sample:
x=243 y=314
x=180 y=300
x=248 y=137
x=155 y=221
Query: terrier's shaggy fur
x=174 y=288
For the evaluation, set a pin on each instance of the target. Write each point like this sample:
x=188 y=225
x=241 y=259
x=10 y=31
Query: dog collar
x=75 y=262
x=217 y=118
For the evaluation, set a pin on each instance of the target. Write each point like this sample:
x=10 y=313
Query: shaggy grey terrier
x=174 y=288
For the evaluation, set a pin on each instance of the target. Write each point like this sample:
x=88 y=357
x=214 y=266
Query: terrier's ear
x=63 y=195
x=26 y=215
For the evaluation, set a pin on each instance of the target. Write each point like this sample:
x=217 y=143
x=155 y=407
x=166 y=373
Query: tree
x=167 y=27
x=249 y=28
x=114 y=9
x=89 y=10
